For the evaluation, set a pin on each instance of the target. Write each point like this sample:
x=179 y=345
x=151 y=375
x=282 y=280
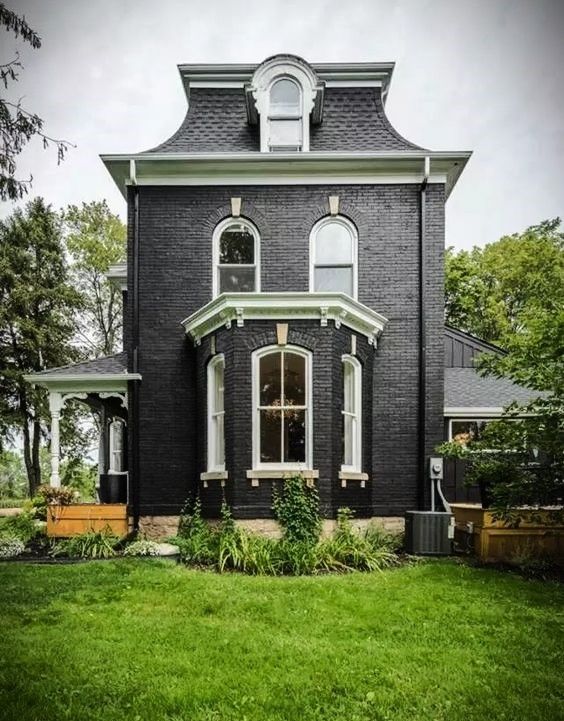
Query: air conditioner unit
x=429 y=533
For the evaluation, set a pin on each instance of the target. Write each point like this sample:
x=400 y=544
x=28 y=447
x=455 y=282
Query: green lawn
x=125 y=640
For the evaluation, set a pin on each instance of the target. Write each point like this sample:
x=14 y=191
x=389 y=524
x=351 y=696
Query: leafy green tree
x=18 y=125
x=37 y=306
x=96 y=239
x=13 y=478
x=494 y=292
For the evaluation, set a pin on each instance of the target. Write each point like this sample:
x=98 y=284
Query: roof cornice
x=229 y=308
x=285 y=168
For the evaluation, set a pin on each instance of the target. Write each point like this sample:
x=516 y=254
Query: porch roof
x=100 y=374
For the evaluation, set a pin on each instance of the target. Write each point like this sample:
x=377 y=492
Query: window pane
x=237 y=245
x=270 y=436
x=219 y=459
x=348 y=389
x=294 y=379
x=348 y=439
x=333 y=245
x=465 y=431
x=236 y=280
x=270 y=377
x=285 y=132
x=334 y=279
x=294 y=436
x=284 y=98
x=218 y=388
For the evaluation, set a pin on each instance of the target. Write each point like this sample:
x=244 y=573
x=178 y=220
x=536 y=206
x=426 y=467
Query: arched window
x=216 y=414
x=352 y=412
x=333 y=256
x=282 y=408
x=236 y=248
x=285 y=116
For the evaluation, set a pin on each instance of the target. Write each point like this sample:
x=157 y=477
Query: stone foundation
x=156 y=527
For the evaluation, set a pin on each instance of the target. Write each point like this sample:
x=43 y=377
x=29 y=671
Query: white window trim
x=116 y=454
x=212 y=467
x=312 y=238
x=467 y=420
x=286 y=116
x=356 y=466
x=220 y=227
x=255 y=359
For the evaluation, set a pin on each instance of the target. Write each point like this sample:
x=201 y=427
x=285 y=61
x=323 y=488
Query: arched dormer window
x=285 y=119
x=333 y=256
x=236 y=257
x=284 y=97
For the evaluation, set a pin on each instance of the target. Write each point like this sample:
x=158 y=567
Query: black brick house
x=283 y=298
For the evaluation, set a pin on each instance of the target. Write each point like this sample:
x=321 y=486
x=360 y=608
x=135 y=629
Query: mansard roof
x=353 y=98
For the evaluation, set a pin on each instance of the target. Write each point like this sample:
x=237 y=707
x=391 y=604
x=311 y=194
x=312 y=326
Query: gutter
x=134 y=386
x=422 y=399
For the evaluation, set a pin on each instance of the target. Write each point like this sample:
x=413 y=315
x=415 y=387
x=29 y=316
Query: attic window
x=285 y=116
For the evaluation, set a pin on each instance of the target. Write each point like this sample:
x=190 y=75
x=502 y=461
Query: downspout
x=134 y=406
x=422 y=400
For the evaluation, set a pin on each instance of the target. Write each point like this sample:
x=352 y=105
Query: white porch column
x=55 y=405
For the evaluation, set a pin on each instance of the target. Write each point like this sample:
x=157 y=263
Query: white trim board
x=229 y=308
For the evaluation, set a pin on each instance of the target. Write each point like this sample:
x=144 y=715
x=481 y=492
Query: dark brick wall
x=176 y=225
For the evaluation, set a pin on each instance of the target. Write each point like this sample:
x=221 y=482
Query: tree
x=18 y=125
x=494 y=291
x=518 y=288
x=37 y=307
x=95 y=239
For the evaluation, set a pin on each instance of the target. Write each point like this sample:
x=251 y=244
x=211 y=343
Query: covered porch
x=101 y=384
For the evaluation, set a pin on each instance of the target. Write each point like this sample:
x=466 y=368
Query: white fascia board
x=229 y=308
x=473 y=412
x=286 y=168
x=83 y=382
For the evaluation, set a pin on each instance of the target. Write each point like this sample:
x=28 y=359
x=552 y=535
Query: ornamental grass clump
x=92 y=544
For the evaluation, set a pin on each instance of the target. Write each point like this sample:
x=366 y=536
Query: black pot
x=113 y=488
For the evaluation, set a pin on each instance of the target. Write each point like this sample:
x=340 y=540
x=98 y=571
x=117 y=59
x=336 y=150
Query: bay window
x=216 y=414
x=351 y=415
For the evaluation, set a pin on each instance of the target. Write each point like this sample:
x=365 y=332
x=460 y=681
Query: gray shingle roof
x=216 y=122
x=354 y=120
x=107 y=365
x=464 y=388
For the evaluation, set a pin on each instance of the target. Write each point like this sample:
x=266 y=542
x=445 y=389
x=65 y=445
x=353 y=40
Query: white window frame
x=350 y=227
x=213 y=414
x=255 y=359
x=467 y=420
x=356 y=466
x=286 y=116
x=217 y=233
x=116 y=455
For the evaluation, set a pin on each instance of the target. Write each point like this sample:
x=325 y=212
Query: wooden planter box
x=493 y=541
x=66 y=521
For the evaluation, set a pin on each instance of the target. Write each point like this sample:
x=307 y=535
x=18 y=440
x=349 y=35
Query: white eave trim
x=84 y=382
x=473 y=412
x=118 y=274
x=381 y=167
x=229 y=308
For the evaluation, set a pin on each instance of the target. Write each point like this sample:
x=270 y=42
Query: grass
x=142 y=639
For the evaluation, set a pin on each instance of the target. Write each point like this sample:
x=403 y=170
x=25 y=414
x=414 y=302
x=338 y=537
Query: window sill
x=214 y=476
x=345 y=476
x=257 y=475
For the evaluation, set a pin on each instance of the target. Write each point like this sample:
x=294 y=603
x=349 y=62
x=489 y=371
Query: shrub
x=196 y=540
x=22 y=527
x=92 y=544
x=10 y=547
x=47 y=496
x=297 y=509
x=142 y=547
x=349 y=551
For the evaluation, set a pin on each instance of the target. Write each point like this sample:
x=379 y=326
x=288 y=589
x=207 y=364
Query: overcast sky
x=481 y=75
